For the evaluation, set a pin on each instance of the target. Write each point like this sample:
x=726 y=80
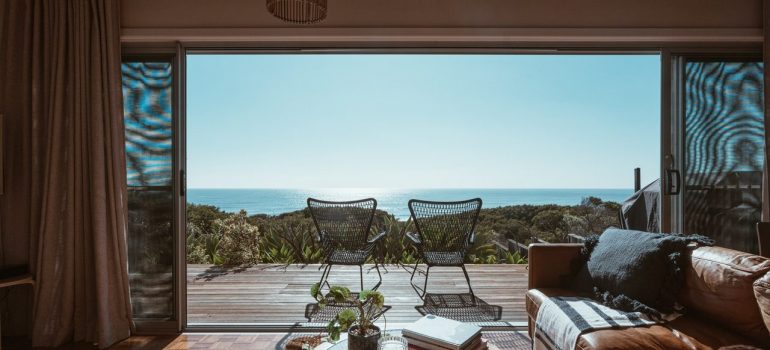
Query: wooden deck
x=280 y=294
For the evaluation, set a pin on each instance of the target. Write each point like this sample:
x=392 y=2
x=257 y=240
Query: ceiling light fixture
x=298 y=11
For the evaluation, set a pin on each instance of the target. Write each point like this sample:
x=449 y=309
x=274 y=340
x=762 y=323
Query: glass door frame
x=670 y=136
x=175 y=324
x=673 y=116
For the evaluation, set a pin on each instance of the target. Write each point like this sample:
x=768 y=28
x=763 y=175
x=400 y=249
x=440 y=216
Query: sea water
x=394 y=201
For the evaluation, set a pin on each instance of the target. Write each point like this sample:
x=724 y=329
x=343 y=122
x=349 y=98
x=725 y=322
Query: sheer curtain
x=64 y=209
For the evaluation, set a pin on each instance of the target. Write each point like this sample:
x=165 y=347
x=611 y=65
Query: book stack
x=438 y=333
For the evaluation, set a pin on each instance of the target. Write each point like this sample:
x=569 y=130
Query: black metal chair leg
x=420 y=293
x=379 y=275
x=361 y=274
x=468 y=280
x=325 y=277
x=413 y=272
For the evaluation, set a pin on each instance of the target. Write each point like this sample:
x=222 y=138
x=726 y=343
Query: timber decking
x=279 y=294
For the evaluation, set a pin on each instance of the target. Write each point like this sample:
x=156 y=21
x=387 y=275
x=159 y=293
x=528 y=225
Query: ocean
x=277 y=201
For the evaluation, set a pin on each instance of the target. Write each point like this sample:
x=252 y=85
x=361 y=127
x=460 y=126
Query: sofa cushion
x=719 y=285
x=635 y=271
x=686 y=332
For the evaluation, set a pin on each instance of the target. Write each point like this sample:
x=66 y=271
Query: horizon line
x=409 y=188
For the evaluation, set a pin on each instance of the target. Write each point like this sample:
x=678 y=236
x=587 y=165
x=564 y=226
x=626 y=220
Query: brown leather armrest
x=549 y=262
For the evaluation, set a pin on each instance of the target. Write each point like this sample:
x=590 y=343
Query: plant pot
x=363 y=342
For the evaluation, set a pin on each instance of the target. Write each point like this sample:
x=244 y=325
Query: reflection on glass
x=724 y=140
x=147 y=118
x=150 y=252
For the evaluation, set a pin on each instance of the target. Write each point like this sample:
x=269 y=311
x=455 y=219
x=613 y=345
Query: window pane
x=724 y=140
x=147 y=96
x=150 y=253
x=147 y=113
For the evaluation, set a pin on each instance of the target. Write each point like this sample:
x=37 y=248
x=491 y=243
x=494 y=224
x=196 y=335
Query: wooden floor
x=280 y=294
x=237 y=341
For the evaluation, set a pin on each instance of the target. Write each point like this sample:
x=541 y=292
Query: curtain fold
x=64 y=210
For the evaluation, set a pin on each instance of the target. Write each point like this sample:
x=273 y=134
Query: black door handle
x=182 y=183
x=673 y=181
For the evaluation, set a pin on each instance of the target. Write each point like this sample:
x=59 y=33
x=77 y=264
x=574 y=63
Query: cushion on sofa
x=686 y=332
x=719 y=284
x=634 y=270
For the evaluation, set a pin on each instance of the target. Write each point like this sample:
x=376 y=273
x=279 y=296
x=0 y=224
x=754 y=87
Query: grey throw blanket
x=561 y=320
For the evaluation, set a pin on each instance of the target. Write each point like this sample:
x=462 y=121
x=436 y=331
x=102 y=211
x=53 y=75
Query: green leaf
x=334 y=330
x=339 y=293
x=375 y=296
x=314 y=290
x=346 y=318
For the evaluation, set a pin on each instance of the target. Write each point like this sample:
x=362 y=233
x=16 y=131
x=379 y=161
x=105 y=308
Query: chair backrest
x=445 y=226
x=343 y=224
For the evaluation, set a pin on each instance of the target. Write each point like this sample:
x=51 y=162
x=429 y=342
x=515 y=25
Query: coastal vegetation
x=222 y=238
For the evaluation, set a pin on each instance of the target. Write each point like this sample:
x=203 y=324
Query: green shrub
x=236 y=241
x=395 y=248
x=221 y=238
x=291 y=239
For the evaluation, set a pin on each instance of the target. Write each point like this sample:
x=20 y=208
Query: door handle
x=673 y=182
x=182 y=183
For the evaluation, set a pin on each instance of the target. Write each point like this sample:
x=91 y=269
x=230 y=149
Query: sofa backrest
x=719 y=284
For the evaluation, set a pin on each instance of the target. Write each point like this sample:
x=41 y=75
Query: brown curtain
x=64 y=209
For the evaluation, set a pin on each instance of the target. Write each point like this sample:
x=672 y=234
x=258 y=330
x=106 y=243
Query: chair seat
x=345 y=256
x=444 y=258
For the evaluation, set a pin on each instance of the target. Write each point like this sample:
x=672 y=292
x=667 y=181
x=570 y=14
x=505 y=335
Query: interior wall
x=454 y=14
x=553 y=23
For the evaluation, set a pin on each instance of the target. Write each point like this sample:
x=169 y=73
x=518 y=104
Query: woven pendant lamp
x=298 y=11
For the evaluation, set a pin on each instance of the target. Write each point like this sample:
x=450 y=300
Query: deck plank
x=279 y=294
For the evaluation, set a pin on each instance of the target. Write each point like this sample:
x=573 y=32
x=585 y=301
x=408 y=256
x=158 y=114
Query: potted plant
x=358 y=319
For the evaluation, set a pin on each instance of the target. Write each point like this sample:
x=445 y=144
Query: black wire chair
x=343 y=230
x=445 y=231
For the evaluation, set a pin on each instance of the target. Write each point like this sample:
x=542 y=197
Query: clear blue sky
x=422 y=121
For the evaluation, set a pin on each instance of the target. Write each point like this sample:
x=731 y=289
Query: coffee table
x=342 y=344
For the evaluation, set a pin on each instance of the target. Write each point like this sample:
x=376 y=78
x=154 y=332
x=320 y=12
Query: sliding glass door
x=149 y=139
x=721 y=149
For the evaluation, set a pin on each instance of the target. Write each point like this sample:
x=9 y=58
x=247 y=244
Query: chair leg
x=379 y=275
x=361 y=274
x=325 y=277
x=420 y=292
x=468 y=280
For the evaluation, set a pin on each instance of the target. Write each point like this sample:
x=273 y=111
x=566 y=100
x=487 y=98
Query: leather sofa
x=726 y=295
